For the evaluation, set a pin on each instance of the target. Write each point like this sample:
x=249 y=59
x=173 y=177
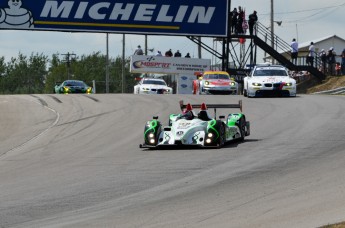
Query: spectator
x=168 y=53
x=234 y=15
x=311 y=54
x=294 y=51
x=138 y=51
x=331 y=61
x=177 y=54
x=240 y=19
x=159 y=53
x=187 y=56
x=338 y=69
x=343 y=62
x=323 y=58
x=252 y=19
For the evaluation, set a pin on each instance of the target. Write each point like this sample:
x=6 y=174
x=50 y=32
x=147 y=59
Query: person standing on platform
x=294 y=51
x=311 y=54
x=252 y=19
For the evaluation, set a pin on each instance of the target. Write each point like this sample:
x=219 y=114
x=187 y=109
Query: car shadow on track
x=232 y=144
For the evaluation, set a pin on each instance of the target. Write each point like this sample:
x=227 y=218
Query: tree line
x=37 y=74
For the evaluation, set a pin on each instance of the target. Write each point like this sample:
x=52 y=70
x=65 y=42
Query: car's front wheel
x=245 y=93
x=242 y=127
x=222 y=139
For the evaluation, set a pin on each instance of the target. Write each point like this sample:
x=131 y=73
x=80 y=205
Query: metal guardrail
x=337 y=91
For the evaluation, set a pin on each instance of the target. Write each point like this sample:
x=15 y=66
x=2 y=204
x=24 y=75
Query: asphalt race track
x=75 y=161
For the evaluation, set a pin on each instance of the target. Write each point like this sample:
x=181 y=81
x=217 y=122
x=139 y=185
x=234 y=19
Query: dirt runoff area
x=313 y=85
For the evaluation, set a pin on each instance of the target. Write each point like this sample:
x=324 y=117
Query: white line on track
x=38 y=135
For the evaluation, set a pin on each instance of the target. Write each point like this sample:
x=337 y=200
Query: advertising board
x=168 y=65
x=164 y=17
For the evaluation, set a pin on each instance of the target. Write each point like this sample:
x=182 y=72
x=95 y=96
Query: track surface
x=74 y=161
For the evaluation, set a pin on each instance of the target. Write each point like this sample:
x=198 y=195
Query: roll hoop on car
x=197 y=129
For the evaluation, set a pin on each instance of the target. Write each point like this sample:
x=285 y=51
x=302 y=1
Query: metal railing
x=281 y=46
x=265 y=34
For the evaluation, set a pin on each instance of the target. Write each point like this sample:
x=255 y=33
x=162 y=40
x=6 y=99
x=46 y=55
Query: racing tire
x=221 y=140
x=242 y=127
x=245 y=93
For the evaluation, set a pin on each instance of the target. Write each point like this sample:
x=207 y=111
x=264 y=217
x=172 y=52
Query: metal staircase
x=280 y=45
x=264 y=39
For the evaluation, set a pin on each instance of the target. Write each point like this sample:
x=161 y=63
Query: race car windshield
x=154 y=82
x=75 y=83
x=270 y=72
x=216 y=76
x=189 y=115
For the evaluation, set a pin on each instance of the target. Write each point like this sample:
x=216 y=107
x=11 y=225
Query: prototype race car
x=152 y=86
x=215 y=82
x=269 y=80
x=200 y=130
x=72 y=86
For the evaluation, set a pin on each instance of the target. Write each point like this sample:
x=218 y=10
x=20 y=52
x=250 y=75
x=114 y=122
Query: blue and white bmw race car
x=269 y=80
x=191 y=129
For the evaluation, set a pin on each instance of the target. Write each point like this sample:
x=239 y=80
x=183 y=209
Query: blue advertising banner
x=163 y=17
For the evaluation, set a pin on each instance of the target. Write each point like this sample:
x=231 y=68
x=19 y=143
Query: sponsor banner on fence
x=178 y=17
x=168 y=65
x=185 y=83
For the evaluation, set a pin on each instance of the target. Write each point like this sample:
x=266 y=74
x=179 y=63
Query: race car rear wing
x=215 y=106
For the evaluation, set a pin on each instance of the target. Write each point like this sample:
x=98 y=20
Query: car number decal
x=183 y=125
x=166 y=136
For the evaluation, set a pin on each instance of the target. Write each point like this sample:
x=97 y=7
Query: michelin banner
x=168 y=65
x=163 y=17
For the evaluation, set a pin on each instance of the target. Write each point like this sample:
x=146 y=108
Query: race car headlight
x=210 y=135
x=145 y=89
x=232 y=83
x=256 y=84
x=288 y=84
x=151 y=135
x=208 y=140
x=66 y=89
x=89 y=90
x=152 y=141
x=207 y=83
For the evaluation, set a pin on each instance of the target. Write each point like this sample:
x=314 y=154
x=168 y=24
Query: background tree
x=56 y=74
x=38 y=74
x=24 y=75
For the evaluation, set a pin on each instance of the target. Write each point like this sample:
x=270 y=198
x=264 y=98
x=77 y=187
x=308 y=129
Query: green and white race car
x=72 y=86
x=201 y=130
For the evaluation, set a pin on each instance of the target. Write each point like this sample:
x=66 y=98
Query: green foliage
x=23 y=75
x=38 y=74
x=2 y=66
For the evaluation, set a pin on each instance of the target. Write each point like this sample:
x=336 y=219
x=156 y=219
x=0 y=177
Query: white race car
x=269 y=80
x=152 y=86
